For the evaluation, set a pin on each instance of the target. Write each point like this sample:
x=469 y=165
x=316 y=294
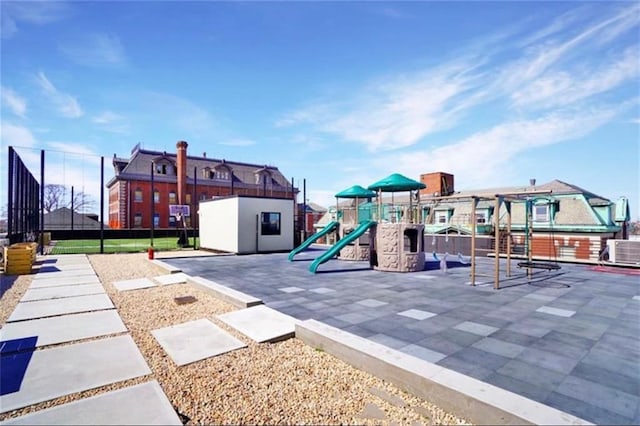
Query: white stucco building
x=246 y=224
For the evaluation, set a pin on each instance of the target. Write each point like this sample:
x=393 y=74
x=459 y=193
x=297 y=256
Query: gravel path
x=280 y=383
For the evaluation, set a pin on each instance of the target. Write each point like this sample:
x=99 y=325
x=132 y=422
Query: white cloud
x=564 y=88
x=74 y=149
x=111 y=122
x=394 y=113
x=16 y=13
x=96 y=50
x=477 y=159
x=66 y=104
x=562 y=64
x=16 y=135
x=15 y=102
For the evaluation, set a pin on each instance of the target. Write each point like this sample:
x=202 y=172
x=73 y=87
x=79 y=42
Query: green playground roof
x=396 y=182
x=356 y=191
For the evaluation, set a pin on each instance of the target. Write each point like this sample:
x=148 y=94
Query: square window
x=137 y=220
x=137 y=195
x=270 y=223
x=172 y=198
x=172 y=221
x=156 y=219
x=541 y=213
x=156 y=197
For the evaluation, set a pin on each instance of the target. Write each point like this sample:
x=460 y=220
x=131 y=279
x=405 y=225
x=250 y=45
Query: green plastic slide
x=329 y=254
x=331 y=226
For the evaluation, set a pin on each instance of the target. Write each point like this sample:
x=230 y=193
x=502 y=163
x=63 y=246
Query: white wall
x=248 y=209
x=218 y=221
x=229 y=224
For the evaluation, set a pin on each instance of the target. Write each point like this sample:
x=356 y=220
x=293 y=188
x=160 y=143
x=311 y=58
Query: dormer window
x=163 y=167
x=222 y=174
x=541 y=213
x=206 y=173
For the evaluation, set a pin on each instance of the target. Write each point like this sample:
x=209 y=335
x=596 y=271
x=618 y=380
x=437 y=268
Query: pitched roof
x=138 y=167
x=61 y=219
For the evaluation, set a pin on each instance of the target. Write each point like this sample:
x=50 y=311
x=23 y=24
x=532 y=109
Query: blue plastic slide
x=331 y=226
x=361 y=229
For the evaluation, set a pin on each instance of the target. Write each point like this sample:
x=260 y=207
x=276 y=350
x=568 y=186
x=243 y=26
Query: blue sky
x=339 y=93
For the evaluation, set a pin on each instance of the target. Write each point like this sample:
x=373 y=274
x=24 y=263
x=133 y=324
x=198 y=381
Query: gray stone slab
x=291 y=289
x=67 y=305
x=555 y=311
x=322 y=290
x=422 y=353
x=417 y=314
x=195 y=340
x=62 y=281
x=371 y=303
x=475 y=328
x=499 y=347
x=601 y=396
x=65 y=328
x=261 y=323
x=177 y=278
x=134 y=284
x=45 y=276
x=60 y=292
x=143 y=404
x=74 y=368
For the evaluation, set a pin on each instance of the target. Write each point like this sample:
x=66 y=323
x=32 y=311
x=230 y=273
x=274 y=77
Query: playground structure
x=392 y=235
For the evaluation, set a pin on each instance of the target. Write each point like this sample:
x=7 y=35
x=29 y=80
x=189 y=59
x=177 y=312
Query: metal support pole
x=194 y=213
x=507 y=204
x=102 y=204
x=474 y=202
x=153 y=208
x=42 y=200
x=304 y=209
x=496 y=215
x=72 y=207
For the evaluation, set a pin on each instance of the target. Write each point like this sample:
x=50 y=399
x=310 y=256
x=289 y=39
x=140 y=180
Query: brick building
x=182 y=179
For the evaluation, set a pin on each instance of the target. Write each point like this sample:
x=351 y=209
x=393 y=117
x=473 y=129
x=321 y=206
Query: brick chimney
x=438 y=184
x=182 y=171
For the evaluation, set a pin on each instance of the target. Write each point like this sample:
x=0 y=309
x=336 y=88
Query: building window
x=481 y=217
x=222 y=175
x=137 y=220
x=203 y=196
x=258 y=179
x=270 y=223
x=156 y=197
x=161 y=169
x=206 y=173
x=188 y=198
x=442 y=217
x=156 y=219
x=172 y=198
x=541 y=213
x=137 y=195
x=172 y=221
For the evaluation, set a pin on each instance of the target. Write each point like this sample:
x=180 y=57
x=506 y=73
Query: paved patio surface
x=569 y=338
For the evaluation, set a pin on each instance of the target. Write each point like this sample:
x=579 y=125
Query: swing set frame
x=499 y=199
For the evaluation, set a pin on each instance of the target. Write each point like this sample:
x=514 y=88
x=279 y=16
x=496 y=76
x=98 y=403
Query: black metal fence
x=23 y=201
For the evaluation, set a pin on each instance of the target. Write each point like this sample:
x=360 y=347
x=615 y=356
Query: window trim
x=267 y=226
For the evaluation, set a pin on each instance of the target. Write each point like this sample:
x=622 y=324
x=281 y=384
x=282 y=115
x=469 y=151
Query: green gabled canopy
x=396 y=182
x=356 y=191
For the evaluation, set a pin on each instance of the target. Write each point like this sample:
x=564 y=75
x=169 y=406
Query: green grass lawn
x=124 y=245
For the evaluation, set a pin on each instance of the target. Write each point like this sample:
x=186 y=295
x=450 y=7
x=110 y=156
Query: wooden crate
x=19 y=258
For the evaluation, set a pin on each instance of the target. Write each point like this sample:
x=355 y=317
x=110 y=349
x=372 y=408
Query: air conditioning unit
x=624 y=251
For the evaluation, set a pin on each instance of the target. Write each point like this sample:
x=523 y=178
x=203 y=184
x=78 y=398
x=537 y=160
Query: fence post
x=102 y=205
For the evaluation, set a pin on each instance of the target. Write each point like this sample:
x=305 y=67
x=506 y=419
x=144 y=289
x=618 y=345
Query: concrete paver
x=65 y=328
x=261 y=323
x=195 y=340
x=60 y=292
x=67 y=305
x=143 y=404
x=134 y=284
x=68 y=369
